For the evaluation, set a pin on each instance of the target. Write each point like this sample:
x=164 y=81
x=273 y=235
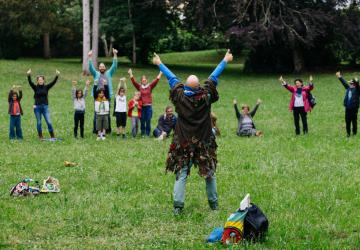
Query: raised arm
x=114 y=63
x=32 y=85
x=310 y=86
x=171 y=77
x=20 y=95
x=133 y=81
x=342 y=80
x=73 y=90
x=52 y=83
x=221 y=66
x=286 y=85
x=253 y=112
x=86 y=88
x=237 y=113
x=91 y=65
x=155 y=81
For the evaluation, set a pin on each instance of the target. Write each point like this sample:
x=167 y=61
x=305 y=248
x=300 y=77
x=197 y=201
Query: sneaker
x=103 y=138
x=177 y=211
x=98 y=138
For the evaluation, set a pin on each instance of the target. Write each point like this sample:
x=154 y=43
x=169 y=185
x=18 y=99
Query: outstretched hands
x=28 y=72
x=115 y=51
x=338 y=74
x=156 y=59
x=90 y=54
x=228 y=56
x=282 y=80
x=258 y=101
x=311 y=79
x=234 y=101
x=57 y=72
x=130 y=73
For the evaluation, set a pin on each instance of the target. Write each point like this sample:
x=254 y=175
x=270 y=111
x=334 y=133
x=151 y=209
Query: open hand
x=258 y=101
x=90 y=54
x=130 y=72
x=234 y=101
x=338 y=74
x=57 y=72
x=156 y=59
x=281 y=79
x=28 y=72
x=115 y=51
x=228 y=56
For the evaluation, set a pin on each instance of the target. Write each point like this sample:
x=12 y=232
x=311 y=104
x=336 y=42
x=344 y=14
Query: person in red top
x=135 y=112
x=145 y=89
x=15 y=112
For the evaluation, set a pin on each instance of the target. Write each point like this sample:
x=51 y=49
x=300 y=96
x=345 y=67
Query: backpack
x=255 y=224
x=27 y=187
x=312 y=100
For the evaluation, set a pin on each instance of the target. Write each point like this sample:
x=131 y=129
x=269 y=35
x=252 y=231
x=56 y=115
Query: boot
x=40 y=135
x=52 y=135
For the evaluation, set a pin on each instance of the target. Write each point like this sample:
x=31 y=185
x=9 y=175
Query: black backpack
x=255 y=224
x=312 y=100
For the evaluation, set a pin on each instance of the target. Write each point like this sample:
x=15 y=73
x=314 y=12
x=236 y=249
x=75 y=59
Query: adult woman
x=41 y=91
x=246 y=126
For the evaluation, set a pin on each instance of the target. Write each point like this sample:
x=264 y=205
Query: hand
x=258 y=101
x=90 y=54
x=228 y=56
x=136 y=103
x=28 y=72
x=234 y=102
x=281 y=79
x=156 y=59
x=74 y=83
x=57 y=72
x=310 y=78
x=115 y=51
x=159 y=75
x=87 y=83
x=338 y=74
x=130 y=73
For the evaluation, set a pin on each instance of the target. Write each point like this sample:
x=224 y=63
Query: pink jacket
x=305 y=93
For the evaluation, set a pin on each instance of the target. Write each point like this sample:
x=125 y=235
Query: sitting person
x=246 y=126
x=166 y=123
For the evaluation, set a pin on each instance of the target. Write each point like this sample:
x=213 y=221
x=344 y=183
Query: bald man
x=193 y=141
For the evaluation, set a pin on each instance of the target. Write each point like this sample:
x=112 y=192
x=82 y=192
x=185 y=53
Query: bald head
x=192 y=81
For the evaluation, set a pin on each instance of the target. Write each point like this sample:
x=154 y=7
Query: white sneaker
x=103 y=138
x=98 y=138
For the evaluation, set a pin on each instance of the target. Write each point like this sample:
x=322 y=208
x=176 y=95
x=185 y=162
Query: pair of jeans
x=146 y=115
x=15 y=127
x=179 y=188
x=300 y=112
x=134 y=125
x=351 y=118
x=43 y=110
x=79 y=117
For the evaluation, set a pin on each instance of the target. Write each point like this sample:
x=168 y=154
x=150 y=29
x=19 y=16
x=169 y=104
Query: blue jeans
x=43 y=110
x=15 y=124
x=134 y=126
x=179 y=188
x=146 y=115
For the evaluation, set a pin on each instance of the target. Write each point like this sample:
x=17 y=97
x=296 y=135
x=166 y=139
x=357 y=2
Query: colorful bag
x=234 y=228
x=27 y=187
x=50 y=185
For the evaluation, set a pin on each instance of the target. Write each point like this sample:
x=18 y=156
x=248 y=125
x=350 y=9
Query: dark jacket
x=11 y=103
x=41 y=91
x=355 y=94
x=165 y=124
x=240 y=116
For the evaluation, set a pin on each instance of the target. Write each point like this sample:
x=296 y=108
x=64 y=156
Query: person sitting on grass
x=166 y=123
x=15 y=111
x=135 y=112
x=41 y=91
x=102 y=110
x=299 y=102
x=120 y=108
x=146 y=98
x=78 y=97
x=351 y=102
x=193 y=141
x=246 y=126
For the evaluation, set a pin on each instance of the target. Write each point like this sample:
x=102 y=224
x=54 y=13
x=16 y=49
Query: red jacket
x=305 y=92
x=131 y=106
x=146 y=97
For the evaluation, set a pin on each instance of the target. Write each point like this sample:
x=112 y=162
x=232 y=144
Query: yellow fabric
x=237 y=224
x=135 y=112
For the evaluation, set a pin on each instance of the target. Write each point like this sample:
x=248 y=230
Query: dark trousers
x=15 y=127
x=351 y=117
x=300 y=112
x=79 y=117
x=146 y=115
x=108 y=131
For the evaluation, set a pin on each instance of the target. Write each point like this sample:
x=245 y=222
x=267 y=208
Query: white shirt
x=102 y=108
x=121 y=105
x=299 y=102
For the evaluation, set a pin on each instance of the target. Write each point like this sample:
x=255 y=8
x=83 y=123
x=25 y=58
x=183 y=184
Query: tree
x=86 y=35
x=95 y=31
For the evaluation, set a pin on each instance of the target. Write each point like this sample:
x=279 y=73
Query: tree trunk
x=46 y=38
x=95 y=31
x=86 y=35
x=106 y=50
x=298 y=60
x=133 y=35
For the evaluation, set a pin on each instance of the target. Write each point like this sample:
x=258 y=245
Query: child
x=102 y=111
x=15 y=112
x=299 y=102
x=351 y=103
x=120 y=108
x=214 y=127
x=246 y=126
x=135 y=106
x=78 y=97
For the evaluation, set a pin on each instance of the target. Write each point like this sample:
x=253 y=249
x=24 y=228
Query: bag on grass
x=234 y=228
x=50 y=185
x=27 y=187
x=256 y=224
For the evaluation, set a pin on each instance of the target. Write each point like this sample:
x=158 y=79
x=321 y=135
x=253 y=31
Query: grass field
x=120 y=196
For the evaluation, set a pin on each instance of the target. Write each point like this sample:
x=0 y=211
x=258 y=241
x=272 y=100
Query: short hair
x=300 y=80
x=168 y=107
x=245 y=106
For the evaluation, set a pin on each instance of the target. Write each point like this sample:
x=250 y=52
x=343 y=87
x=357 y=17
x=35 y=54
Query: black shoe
x=177 y=211
x=214 y=205
x=124 y=136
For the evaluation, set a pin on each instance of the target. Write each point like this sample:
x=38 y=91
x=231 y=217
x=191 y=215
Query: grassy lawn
x=120 y=196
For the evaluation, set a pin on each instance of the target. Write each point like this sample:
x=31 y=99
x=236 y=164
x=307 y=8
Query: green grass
x=120 y=196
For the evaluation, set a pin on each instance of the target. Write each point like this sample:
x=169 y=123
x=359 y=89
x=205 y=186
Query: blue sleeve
x=92 y=68
x=172 y=79
x=113 y=66
x=217 y=71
